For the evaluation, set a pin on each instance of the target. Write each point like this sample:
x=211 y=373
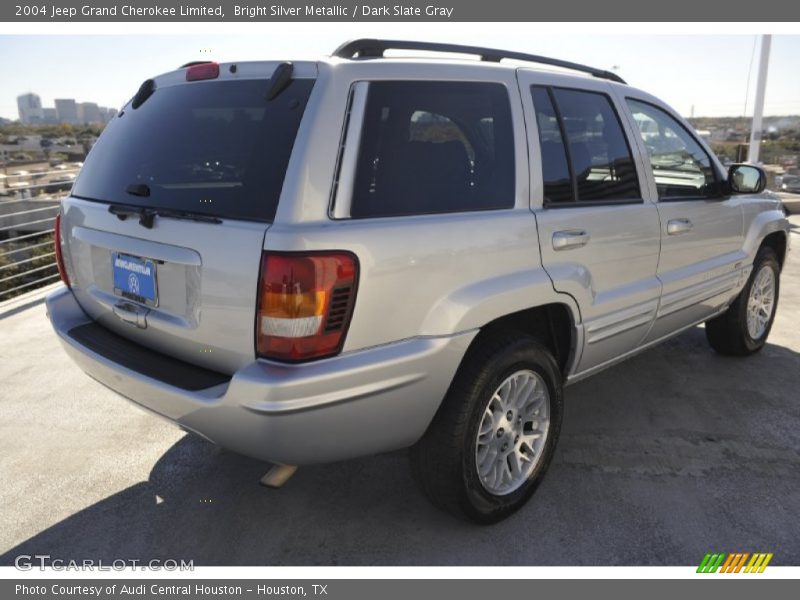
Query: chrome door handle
x=573 y=238
x=679 y=226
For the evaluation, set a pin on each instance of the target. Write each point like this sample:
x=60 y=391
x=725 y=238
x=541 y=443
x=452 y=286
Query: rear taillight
x=208 y=70
x=62 y=271
x=305 y=301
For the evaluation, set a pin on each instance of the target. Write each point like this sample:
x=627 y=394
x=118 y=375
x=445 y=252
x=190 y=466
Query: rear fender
x=480 y=303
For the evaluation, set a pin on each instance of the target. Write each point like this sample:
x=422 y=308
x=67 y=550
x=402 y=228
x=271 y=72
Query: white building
x=30 y=108
x=67 y=110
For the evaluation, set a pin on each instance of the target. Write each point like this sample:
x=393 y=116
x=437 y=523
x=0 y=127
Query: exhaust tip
x=277 y=476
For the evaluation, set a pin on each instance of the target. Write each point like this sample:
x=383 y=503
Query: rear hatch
x=165 y=225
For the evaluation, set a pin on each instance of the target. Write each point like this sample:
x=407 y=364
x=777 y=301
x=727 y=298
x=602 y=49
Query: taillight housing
x=62 y=271
x=305 y=301
x=206 y=70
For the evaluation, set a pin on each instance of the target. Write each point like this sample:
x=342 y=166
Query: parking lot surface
x=672 y=454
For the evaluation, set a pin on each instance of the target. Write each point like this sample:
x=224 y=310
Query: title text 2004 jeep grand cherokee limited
x=312 y=261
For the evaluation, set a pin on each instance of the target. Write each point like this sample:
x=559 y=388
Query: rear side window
x=555 y=168
x=434 y=147
x=681 y=167
x=214 y=147
x=583 y=127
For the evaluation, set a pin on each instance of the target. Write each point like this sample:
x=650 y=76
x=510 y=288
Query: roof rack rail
x=370 y=48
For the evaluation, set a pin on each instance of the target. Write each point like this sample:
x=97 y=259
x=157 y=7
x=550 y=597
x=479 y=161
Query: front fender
x=761 y=219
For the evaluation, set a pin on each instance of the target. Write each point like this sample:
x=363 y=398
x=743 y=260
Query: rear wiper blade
x=185 y=214
x=147 y=215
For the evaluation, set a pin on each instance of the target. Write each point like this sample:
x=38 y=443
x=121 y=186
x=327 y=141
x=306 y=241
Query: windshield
x=216 y=147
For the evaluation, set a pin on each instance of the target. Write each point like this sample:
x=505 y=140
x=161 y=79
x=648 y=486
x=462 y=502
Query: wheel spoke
x=497 y=403
x=487 y=424
x=508 y=399
x=530 y=440
x=526 y=392
x=538 y=402
x=488 y=461
x=528 y=445
x=498 y=472
x=502 y=393
x=513 y=465
x=506 y=477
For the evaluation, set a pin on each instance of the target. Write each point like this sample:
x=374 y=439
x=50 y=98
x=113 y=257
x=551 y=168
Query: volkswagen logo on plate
x=133 y=284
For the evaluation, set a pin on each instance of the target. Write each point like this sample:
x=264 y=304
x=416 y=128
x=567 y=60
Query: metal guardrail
x=39 y=174
x=27 y=255
x=37 y=186
x=18 y=226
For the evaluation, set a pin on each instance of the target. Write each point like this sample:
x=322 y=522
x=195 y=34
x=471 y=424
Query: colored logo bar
x=735 y=562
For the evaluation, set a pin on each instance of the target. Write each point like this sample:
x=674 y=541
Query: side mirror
x=746 y=179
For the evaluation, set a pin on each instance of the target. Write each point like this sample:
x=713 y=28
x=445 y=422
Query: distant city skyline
x=700 y=75
x=68 y=111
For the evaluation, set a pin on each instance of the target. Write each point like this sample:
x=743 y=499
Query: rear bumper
x=355 y=404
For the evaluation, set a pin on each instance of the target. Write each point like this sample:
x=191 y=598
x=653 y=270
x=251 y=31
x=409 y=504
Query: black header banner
x=405 y=11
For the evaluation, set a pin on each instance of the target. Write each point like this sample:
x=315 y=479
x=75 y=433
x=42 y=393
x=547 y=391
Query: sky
x=712 y=75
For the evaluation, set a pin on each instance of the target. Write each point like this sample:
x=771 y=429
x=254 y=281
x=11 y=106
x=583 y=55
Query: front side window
x=682 y=169
x=434 y=147
x=580 y=137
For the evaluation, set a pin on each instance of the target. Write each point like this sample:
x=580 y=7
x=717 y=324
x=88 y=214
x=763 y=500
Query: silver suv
x=312 y=261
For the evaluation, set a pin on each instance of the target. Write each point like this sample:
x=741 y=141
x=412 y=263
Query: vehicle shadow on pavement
x=673 y=454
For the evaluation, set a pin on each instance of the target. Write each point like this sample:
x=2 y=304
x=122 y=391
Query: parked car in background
x=790 y=183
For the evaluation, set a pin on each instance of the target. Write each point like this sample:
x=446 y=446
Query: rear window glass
x=216 y=147
x=434 y=147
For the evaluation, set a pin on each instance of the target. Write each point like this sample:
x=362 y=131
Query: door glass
x=601 y=158
x=682 y=169
x=555 y=169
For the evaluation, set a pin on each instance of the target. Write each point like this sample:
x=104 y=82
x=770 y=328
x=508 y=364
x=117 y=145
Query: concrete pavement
x=670 y=455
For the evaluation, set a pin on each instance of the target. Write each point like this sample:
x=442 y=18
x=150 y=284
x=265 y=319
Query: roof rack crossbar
x=373 y=48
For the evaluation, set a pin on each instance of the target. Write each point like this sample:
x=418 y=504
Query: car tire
x=508 y=390
x=743 y=328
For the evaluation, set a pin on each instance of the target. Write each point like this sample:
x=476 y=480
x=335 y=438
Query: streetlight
x=758 y=110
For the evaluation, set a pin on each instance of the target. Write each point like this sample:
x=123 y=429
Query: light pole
x=758 y=111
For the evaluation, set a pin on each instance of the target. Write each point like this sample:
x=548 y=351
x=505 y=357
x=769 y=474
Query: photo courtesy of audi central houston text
x=299 y=304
